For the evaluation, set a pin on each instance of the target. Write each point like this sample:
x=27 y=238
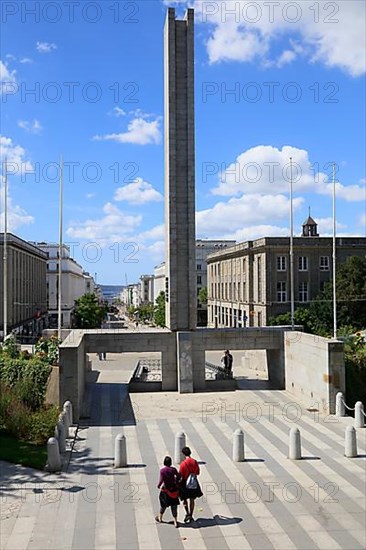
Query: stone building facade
x=26 y=287
x=249 y=283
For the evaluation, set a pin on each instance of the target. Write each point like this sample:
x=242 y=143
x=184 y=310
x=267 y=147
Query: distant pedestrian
x=190 y=488
x=227 y=362
x=100 y=355
x=104 y=355
x=169 y=492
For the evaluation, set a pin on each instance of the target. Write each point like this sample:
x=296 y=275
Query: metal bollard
x=68 y=410
x=340 y=408
x=238 y=446
x=53 y=455
x=120 y=451
x=61 y=436
x=295 y=444
x=350 y=446
x=180 y=442
x=359 y=417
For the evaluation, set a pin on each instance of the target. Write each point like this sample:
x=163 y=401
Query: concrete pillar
x=180 y=442
x=53 y=455
x=185 y=362
x=276 y=367
x=120 y=451
x=350 y=446
x=340 y=408
x=359 y=416
x=295 y=444
x=180 y=256
x=238 y=446
x=68 y=410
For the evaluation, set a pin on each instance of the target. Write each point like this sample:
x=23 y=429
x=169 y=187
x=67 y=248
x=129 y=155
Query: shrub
x=28 y=378
x=18 y=420
x=14 y=414
x=42 y=425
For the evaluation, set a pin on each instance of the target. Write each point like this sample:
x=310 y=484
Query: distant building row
x=32 y=297
x=249 y=283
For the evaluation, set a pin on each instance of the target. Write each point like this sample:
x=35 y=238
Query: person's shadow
x=200 y=522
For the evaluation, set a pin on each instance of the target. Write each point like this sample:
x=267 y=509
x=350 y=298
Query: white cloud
x=349 y=193
x=16 y=165
x=26 y=60
x=325 y=226
x=34 y=127
x=138 y=192
x=14 y=154
x=265 y=169
x=45 y=47
x=362 y=222
x=139 y=132
x=112 y=227
x=331 y=33
x=156 y=232
x=117 y=112
x=248 y=210
x=90 y=195
x=6 y=75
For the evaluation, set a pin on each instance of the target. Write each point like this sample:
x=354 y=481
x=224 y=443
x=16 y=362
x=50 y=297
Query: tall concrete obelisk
x=180 y=227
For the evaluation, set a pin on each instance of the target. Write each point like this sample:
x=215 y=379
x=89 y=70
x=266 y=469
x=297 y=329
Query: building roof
x=309 y=221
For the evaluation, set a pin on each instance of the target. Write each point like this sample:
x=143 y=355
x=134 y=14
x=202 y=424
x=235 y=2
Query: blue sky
x=272 y=82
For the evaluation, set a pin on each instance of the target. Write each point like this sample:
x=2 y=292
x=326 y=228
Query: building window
x=199 y=267
x=281 y=291
x=281 y=263
x=303 y=292
x=303 y=263
x=322 y=285
x=324 y=263
x=199 y=279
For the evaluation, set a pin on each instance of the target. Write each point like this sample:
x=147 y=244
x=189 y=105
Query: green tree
x=159 y=310
x=351 y=302
x=202 y=295
x=89 y=313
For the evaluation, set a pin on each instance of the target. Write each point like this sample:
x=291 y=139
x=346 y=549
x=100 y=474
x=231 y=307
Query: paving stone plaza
x=268 y=501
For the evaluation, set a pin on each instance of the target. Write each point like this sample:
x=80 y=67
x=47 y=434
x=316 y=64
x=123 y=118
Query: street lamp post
x=5 y=252
x=59 y=309
x=334 y=258
x=292 y=298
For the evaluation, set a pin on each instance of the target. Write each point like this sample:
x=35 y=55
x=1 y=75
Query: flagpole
x=292 y=298
x=60 y=258
x=334 y=259
x=5 y=252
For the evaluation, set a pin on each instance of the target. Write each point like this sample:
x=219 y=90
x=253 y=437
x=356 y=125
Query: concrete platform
x=268 y=501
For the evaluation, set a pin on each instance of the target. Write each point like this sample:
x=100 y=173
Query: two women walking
x=181 y=485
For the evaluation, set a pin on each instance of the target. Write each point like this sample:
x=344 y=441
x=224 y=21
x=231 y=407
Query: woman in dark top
x=169 y=492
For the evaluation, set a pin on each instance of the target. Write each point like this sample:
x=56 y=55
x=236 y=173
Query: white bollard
x=68 y=410
x=120 y=451
x=295 y=444
x=63 y=417
x=61 y=436
x=238 y=446
x=340 y=409
x=359 y=417
x=180 y=442
x=350 y=446
x=53 y=455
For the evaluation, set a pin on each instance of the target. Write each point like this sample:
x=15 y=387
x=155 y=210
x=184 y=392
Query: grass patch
x=22 y=452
